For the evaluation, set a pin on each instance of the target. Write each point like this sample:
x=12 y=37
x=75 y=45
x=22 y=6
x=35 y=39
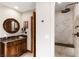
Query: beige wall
x=26 y=16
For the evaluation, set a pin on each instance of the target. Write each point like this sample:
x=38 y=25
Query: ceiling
x=61 y=6
x=19 y=6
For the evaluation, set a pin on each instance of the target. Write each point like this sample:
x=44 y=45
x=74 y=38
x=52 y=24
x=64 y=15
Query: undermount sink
x=21 y=37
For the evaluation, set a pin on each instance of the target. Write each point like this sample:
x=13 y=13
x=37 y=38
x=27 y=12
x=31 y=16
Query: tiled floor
x=27 y=55
x=61 y=51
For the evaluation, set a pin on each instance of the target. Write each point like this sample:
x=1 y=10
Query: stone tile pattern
x=64 y=27
x=64 y=33
x=61 y=51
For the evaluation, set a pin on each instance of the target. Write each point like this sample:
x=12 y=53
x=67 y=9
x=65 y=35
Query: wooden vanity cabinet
x=1 y=49
x=16 y=48
x=11 y=51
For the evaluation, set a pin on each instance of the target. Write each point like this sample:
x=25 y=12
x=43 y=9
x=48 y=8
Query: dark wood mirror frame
x=7 y=21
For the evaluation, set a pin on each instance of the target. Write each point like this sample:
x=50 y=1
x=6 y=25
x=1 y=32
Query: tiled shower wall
x=64 y=33
x=64 y=27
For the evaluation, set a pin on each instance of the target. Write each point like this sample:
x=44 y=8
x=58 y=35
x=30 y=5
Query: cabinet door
x=16 y=48
x=12 y=51
x=19 y=49
x=24 y=45
x=1 y=49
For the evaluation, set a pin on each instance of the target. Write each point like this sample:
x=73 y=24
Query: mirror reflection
x=11 y=25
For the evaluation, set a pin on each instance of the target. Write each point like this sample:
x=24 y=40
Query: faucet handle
x=77 y=34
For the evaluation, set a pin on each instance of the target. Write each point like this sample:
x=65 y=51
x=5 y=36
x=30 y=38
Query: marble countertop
x=11 y=39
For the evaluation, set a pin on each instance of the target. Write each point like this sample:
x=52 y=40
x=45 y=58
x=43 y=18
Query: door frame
x=33 y=34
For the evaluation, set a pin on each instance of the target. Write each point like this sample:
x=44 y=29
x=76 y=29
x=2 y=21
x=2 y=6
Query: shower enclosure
x=66 y=29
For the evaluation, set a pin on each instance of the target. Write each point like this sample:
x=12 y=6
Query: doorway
x=33 y=34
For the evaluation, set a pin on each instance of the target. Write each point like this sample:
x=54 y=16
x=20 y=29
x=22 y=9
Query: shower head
x=68 y=9
x=65 y=10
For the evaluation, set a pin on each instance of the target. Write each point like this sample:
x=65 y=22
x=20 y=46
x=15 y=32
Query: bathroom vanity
x=13 y=46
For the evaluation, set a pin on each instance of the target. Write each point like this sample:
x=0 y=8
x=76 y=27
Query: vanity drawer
x=12 y=43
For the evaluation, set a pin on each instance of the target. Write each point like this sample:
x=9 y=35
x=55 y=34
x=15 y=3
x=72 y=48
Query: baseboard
x=29 y=51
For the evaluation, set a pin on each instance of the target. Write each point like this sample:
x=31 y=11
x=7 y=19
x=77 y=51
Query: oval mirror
x=11 y=25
